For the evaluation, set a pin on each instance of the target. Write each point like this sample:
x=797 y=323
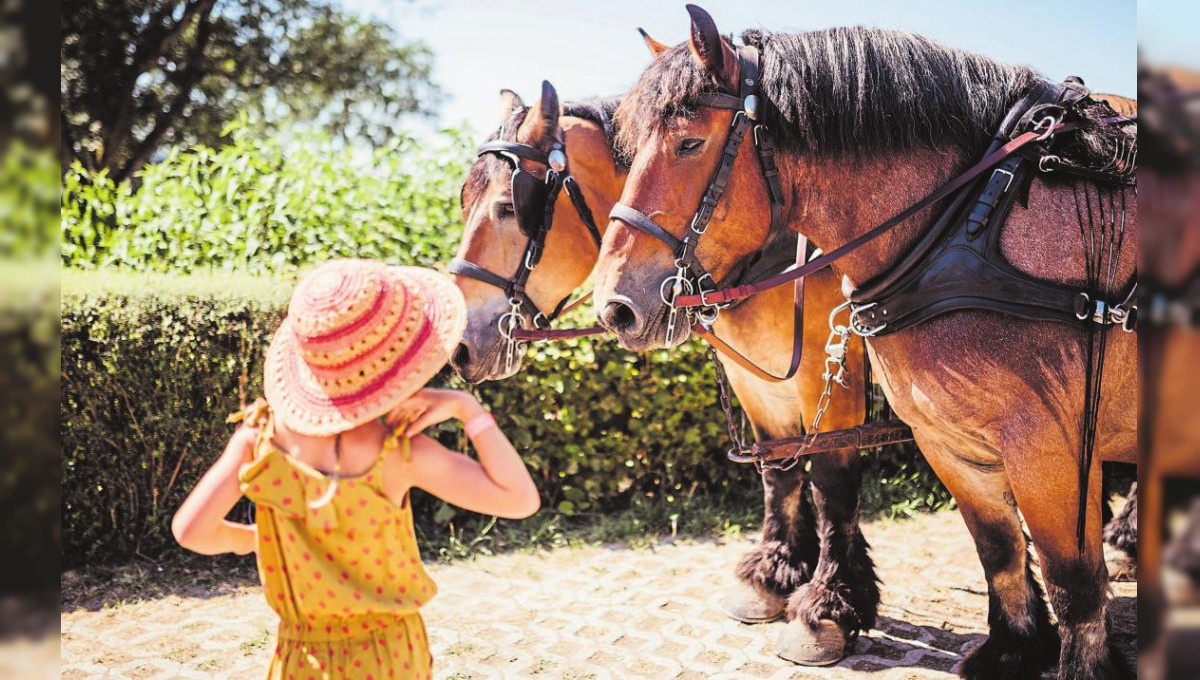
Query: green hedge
x=152 y=364
x=269 y=205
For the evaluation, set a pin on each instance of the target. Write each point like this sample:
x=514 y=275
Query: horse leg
x=1077 y=581
x=786 y=555
x=843 y=596
x=1021 y=640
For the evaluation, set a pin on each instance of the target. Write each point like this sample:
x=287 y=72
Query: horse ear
x=711 y=50
x=656 y=48
x=509 y=101
x=542 y=120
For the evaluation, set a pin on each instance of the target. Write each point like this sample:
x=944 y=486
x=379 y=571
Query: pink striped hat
x=359 y=338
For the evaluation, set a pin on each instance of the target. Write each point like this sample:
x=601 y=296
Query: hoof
x=750 y=605
x=821 y=646
x=1121 y=567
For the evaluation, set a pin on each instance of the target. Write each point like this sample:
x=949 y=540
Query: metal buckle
x=529 y=266
x=1005 y=172
x=1048 y=158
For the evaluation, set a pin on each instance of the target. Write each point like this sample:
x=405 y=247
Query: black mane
x=851 y=90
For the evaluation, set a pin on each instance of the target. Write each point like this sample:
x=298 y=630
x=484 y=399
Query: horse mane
x=844 y=91
x=601 y=111
x=598 y=110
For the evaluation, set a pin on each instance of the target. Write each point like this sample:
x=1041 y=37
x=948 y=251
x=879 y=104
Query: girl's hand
x=428 y=407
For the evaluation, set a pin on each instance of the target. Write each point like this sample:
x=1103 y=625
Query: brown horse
x=867 y=122
x=813 y=565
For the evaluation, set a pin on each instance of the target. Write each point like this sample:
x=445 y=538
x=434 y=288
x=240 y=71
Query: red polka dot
x=379 y=590
x=345 y=576
x=287 y=501
x=306 y=557
x=277 y=482
x=256 y=488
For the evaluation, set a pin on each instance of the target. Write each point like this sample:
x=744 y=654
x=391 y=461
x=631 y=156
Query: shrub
x=265 y=205
x=152 y=364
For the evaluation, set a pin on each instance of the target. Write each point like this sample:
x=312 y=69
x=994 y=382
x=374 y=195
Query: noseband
x=691 y=277
x=533 y=204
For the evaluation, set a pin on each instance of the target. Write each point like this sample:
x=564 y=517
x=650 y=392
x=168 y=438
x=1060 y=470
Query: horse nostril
x=619 y=317
x=461 y=357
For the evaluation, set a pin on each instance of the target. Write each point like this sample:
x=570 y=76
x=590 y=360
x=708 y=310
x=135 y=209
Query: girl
x=336 y=550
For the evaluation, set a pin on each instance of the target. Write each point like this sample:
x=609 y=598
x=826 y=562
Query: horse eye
x=506 y=210
x=689 y=146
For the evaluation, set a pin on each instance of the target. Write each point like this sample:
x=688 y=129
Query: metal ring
x=1049 y=158
x=1050 y=122
x=508 y=323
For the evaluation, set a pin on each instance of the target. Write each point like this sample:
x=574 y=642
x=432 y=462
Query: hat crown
x=336 y=296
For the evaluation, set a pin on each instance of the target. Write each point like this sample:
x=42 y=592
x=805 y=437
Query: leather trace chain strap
x=691 y=279
x=534 y=200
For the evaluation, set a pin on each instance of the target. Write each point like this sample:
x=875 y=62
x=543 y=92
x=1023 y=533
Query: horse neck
x=839 y=199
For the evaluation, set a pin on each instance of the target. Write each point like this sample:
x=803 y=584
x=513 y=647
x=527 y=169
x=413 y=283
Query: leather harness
x=691 y=277
x=533 y=204
x=957 y=264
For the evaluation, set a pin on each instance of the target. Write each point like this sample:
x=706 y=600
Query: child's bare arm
x=498 y=484
x=199 y=524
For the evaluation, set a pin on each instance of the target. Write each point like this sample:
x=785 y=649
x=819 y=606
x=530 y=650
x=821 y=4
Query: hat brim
x=291 y=385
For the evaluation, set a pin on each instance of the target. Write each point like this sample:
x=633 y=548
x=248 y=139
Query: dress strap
x=397 y=440
x=258 y=414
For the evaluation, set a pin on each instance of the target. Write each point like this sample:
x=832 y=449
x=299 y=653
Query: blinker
x=750 y=106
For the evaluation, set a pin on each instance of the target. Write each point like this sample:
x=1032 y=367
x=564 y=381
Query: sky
x=593 y=48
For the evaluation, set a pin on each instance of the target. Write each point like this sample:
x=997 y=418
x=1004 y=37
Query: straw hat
x=359 y=338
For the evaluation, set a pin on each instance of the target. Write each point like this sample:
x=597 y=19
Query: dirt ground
x=593 y=612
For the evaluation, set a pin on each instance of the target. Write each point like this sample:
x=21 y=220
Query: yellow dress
x=345 y=578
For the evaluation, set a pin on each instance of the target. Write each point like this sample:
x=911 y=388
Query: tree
x=140 y=74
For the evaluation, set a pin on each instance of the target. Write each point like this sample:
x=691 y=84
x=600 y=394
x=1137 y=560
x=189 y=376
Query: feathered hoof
x=824 y=645
x=1122 y=567
x=748 y=604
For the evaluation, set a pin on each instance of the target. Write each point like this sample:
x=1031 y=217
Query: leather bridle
x=691 y=278
x=534 y=200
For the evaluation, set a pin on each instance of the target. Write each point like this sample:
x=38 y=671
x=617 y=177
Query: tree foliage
x=140 y=74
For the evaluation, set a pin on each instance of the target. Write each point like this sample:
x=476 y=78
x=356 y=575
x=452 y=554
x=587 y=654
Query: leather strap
x=797 y=333
x=529 y=153
x=744 y=291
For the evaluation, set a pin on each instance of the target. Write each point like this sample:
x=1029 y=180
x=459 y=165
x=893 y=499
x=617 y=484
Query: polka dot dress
x=346 y=577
